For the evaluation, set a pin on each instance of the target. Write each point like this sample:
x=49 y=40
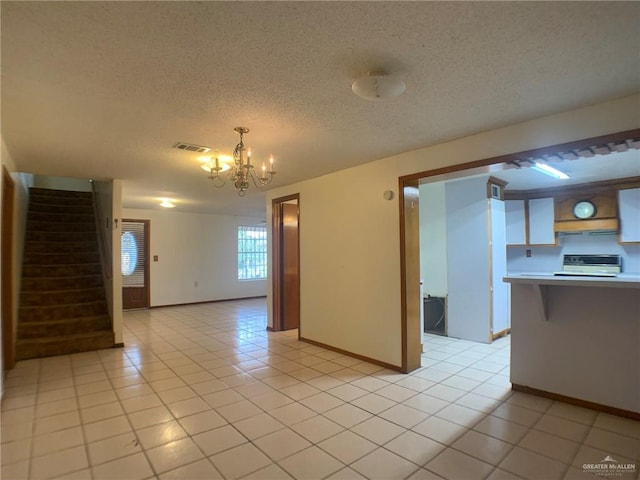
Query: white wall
x=350 y=261
x=468 y=261
x=500 y=315
x=195 y=248
x=62 y=183
x=108 y=196
x=433 y=235
x=116 y=253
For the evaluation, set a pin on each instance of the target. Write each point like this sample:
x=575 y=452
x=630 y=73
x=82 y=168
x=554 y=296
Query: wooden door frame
x=276 y=259
x=8 y=331
x=147 y=260
x=408 y=240
x=410 y=276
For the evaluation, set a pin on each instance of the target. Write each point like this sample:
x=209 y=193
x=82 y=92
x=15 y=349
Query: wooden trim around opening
x=502 y=333
x=536 y=152
x=353 y=355
x=8 y=330
x=410 y=276
x=276 y=273
x=576 y=401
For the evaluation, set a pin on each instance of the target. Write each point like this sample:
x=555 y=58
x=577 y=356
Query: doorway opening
x=410 y=233
x=286 y=262
x=135 y=264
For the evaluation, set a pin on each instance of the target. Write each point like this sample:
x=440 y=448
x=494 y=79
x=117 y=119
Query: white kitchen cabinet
x=629 y=213
x=541 y=218
x=515 y=222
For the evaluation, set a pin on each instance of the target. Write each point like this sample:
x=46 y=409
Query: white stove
x=591 y=265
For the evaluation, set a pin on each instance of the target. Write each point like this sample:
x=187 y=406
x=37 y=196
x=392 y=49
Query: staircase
x=62 y=301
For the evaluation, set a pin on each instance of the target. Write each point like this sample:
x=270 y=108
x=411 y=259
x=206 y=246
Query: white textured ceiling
x=105 y=89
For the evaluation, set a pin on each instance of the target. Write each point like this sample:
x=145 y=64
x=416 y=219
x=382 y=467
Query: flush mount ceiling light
x=167 y=203
x=241 y=170
x=378 y=86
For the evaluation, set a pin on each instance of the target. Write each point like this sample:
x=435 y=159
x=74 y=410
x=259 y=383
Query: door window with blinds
x=252 y=253
x=133 y=254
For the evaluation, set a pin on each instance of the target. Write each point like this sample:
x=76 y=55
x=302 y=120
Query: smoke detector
x=378 y=86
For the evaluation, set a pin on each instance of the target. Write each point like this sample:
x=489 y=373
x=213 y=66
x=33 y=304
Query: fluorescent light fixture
x=549 y=170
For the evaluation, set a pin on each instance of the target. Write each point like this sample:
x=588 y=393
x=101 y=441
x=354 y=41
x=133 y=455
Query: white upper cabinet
x=541 y=218
x=629 y=212
x=515 y=222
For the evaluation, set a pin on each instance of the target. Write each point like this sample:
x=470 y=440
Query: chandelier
x=241 y=170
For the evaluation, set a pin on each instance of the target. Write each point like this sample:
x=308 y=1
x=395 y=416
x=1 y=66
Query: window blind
x=133 y=254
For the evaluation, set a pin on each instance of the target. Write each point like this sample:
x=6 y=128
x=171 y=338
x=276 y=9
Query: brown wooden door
x=290 y=267
x=135 y=264
x=8 y=341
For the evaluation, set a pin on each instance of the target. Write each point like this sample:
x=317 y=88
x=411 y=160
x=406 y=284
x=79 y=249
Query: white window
x=252 y=253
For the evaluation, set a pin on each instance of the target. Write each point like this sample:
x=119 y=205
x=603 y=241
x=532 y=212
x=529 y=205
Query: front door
x=135 y=264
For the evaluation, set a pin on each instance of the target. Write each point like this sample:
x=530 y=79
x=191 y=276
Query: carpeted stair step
x=75 y=258
x=60 y=312
x=60 y=237
x=46 y=206
x=34 y=284
x=62 y=216
x=36 y=226
x=61 y=297
x=52 y=196
x=61 y=247
x=57 y=328
x=48 y=271
x=62 y=345
x=53 y=193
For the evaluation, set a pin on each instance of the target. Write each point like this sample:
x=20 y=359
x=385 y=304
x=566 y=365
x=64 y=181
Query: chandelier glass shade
x=241 y=172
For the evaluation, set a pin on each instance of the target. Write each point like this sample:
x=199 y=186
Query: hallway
x=204 y=391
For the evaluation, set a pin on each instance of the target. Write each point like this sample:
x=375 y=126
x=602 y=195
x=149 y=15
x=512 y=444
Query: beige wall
x=349 y=235
x=195 y=248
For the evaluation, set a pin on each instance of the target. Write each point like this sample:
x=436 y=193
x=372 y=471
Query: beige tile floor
x=203 y=391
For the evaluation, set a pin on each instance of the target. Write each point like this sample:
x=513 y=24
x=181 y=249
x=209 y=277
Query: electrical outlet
x=528 y=252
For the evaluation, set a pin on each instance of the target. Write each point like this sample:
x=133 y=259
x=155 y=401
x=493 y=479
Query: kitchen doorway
x=410 y=236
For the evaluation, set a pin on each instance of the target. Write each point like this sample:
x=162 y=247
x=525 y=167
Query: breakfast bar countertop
x=622 y=280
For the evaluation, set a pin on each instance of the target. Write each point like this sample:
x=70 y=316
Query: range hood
x=590 y=225
x=581 y=212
